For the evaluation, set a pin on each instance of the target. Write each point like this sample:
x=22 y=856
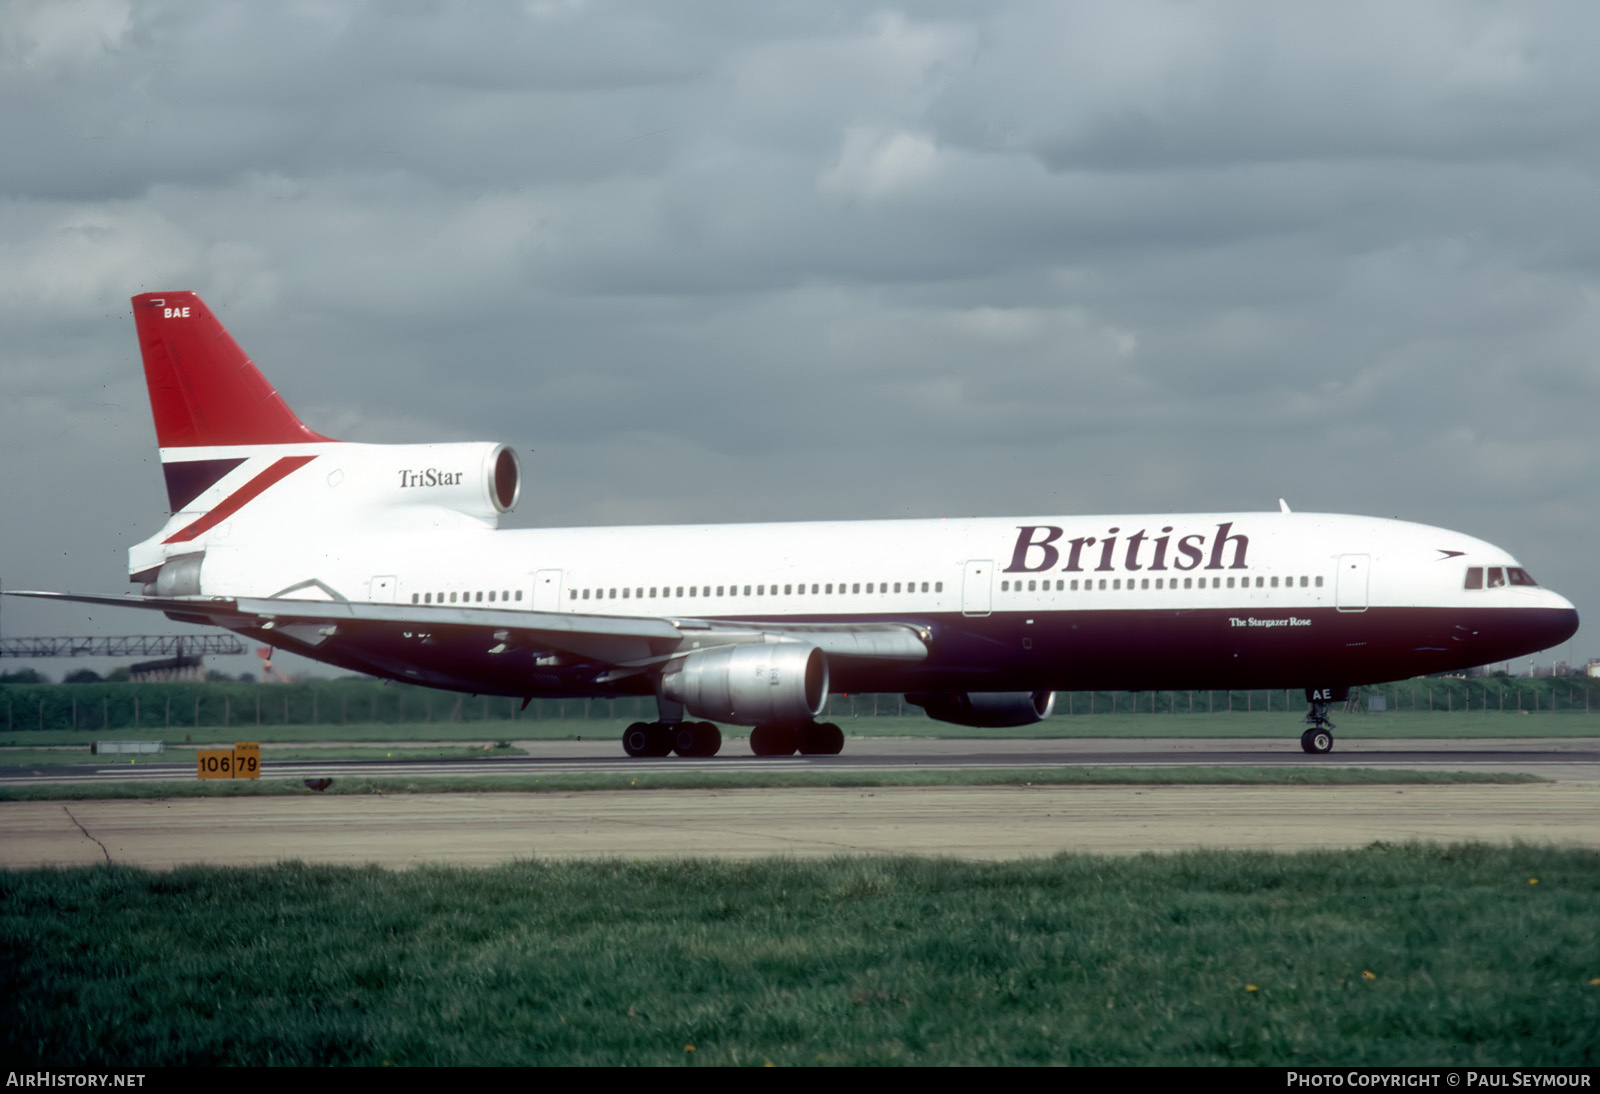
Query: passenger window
x=1474 y=577
x=856 y=588
x=788 y=590
x=1230 y=583
x=1274 y=583
x=519 y=594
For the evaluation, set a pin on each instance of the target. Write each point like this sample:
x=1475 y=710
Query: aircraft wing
x=629 y=644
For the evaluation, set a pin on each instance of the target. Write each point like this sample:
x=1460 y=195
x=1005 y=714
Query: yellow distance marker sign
x=242 y=762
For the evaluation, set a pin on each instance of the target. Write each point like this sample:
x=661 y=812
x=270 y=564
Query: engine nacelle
x=477 y=479
x=987 y=709
x=784 y=683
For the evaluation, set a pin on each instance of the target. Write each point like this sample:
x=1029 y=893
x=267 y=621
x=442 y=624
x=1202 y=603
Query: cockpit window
x=1474 y=577
x=1497 y=577
x=1519 y=576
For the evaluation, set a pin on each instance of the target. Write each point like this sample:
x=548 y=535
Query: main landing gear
x=656 y=739
x=670 y=733
x=1319 y=738
x=663 y=738
x=811 y=739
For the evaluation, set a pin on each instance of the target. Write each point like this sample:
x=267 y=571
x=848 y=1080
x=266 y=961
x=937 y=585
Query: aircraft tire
x=636 y=739
x=660 y=739
x=1316 y=741
x=770 y=740
x=696 y=739
x=821 y=739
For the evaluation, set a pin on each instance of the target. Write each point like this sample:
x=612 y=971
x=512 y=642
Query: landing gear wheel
x=647 y=739
x=696 y=739
x=821 y=739
x=1316 y=740
x=773 y=740
x=636 y=739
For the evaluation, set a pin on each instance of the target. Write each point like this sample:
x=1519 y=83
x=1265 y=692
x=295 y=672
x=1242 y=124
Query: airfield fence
x=98 y=707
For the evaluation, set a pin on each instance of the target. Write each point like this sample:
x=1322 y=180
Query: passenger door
x=547 y=591
x=1350 y=592
x=977 y=587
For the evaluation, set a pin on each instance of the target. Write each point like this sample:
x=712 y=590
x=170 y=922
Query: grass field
x=1389 y=955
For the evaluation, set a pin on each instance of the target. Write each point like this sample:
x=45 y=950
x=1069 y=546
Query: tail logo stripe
x=191 y=478
x=240 y=498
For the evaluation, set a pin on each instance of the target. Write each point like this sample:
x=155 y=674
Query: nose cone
x=1551 y=623
x=1563 y=625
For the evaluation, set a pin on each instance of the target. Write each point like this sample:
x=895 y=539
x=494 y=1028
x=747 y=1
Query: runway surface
x=1558 y=758
x=981 y=823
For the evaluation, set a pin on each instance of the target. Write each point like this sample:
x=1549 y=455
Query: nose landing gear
x=1319 y=738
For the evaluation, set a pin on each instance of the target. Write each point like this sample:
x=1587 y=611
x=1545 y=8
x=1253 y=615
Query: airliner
x=389 y=560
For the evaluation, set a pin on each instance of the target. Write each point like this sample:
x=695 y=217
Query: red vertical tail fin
x=204 y=391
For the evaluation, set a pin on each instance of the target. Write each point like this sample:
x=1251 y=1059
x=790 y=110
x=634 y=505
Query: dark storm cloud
x=734 y=261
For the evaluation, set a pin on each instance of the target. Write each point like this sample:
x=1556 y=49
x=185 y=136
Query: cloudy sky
x=754 y=261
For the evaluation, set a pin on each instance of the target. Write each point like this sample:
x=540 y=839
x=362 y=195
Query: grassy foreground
x=1388 y=955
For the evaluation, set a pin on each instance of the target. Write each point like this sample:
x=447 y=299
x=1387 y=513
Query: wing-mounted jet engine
x=987 y=709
